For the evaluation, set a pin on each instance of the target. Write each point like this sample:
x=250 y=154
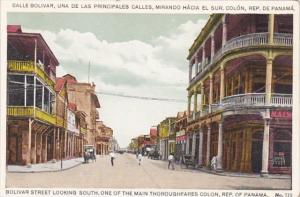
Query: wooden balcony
x=21 y=111
x=83 y=130
x=28 y=67
x=60 y=122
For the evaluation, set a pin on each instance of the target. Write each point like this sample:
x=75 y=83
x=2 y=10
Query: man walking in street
x=112 y=157
x=171 y=161
x=140 y=158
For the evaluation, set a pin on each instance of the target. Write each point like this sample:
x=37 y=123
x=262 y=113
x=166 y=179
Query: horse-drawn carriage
x=89 y=153
x=188 y=160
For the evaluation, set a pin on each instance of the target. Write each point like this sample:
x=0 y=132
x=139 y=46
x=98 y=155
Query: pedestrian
x=171 y=161
x=140 y=158
x=112 y=157
x=213 y=163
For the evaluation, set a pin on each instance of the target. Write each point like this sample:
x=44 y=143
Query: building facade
x=240 y=82
x=164 y=130
x=180 y=132
x=84 y=97
x=31 y=120
x=103 y=138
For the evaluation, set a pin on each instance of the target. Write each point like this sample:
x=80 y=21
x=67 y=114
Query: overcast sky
x=133 y=54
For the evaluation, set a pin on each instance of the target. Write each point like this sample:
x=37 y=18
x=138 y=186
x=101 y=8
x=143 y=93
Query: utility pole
x=89 y=72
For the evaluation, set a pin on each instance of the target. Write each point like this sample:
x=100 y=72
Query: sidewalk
x=46 y=167
x=164 y=164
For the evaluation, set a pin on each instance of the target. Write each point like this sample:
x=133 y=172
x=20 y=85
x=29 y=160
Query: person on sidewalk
x=112 y=157
x=213 y=163
x=171 y=161
x=140 y=156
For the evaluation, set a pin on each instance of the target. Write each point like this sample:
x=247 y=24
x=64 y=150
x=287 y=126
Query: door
x=256 y=156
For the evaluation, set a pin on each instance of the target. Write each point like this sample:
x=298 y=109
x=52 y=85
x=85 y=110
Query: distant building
x=83 y=95
x=164 y=129
x=103 y=138
x=180 y=130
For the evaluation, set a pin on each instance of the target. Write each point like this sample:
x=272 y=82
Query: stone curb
x=243 y=175
x=231 y=174
x=54 y=170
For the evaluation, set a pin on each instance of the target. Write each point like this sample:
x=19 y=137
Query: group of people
x=171 y=159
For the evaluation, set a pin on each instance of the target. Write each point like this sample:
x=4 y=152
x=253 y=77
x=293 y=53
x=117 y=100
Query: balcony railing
x=254 y=39
x=21 y=111
x=244 y=41
x=83 y=130
x=283 y=39
x=28 y=67
x=247 y=100
x=282 y=100
x=60 y=122
x=257 y=99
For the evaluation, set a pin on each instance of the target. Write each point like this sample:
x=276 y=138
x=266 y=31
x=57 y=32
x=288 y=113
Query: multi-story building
x=164 y=130
x=83 y=95
x=31 y=120
x=103 y=138
x=180 y=128
x=153 y=136
x=240 y=81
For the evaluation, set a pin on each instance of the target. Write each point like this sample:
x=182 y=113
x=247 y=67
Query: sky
x=134 y=54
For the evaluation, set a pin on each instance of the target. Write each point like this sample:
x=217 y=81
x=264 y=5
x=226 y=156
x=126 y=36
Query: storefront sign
x=180 y=135
x=281 y=114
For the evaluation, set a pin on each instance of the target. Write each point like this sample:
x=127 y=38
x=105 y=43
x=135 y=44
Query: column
x=208 y=146
x=210 y=91
x=46 y=148
x=65 y=142
x=224 y=35
x=190 y=71
x=33 y=149
x=39 y=148
x=200 y=163
x=212 y=53
x=222 y=83
x=54 y=143
x=271 y=28
x=189 y=105
x=187 y=144
x=58 y=144
x=203 y=56
x=220 y=148
x=193 y=144
x=28 y=159
x=196 y=65
x=265 y=151
x=195 y=102
x=269 y=70
x=202 y=98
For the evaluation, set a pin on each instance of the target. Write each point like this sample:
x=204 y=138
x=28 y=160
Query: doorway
x=256 y=152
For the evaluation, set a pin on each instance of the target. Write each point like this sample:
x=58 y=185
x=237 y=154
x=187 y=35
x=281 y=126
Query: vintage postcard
x=150 y=98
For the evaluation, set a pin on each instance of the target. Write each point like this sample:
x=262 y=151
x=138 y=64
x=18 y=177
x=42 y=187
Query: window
x=39 y=94
x=29 y=90
x=46 y=100
x=16 y=90
x=282 y=148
